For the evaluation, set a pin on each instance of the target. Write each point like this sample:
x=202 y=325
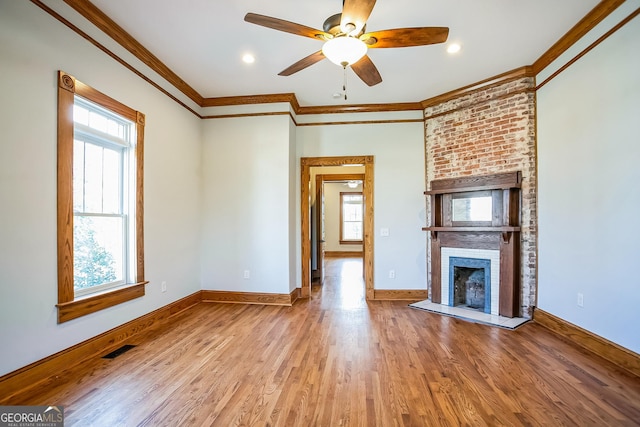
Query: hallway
x=343 y=285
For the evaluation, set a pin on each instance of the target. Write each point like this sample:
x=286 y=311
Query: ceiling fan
x=346 y=39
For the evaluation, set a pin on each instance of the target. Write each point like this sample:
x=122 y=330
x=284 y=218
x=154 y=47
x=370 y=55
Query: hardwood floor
x=334 y=360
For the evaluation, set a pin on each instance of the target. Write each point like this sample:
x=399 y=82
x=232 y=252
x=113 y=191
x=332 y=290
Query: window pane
x=93 y=178
x=112 y=127
x=80 y=115
x=78 y=176
x=352 y=231
x=111 y=181
x=98 y=121
x=352 y=198
x=98 y=256
x=352 y=213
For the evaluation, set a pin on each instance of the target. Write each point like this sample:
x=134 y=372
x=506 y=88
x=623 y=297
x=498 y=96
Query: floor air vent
x=117 y=352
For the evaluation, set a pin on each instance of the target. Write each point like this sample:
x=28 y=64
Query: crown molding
x=251 y=99
x=500 y=79
x=360 y=108
x=588 y=48
x=586 y=24
x=117 y=33
x=98 y=18
x=321 y=109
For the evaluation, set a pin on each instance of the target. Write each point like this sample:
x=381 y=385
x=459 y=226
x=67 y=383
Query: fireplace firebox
x=470 y=283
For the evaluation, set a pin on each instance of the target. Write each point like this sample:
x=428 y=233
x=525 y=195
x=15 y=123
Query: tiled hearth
x=470 y=315
x=492 y=318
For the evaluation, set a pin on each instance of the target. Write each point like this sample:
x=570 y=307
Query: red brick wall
x=486 y=132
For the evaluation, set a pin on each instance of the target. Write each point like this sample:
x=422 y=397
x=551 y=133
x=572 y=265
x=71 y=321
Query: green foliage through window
x=92 y=264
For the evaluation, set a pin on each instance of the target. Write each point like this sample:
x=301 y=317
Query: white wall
x=246 y=204
x=332 y=192
x=33 y=46
x=399 y=202
x=589 y=190
x=294 y=280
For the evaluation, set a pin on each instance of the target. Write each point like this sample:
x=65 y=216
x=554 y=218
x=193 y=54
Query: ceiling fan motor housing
x=332 y=26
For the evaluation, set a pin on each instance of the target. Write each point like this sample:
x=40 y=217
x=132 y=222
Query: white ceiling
x=203 y=42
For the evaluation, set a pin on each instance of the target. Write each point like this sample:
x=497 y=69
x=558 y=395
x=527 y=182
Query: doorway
x=306 y=163
x=319 y=215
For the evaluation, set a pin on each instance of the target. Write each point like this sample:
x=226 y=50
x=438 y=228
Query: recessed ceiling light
x=453 y=48
x=248 y=58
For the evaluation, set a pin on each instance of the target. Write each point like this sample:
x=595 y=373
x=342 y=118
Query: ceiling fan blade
x=303 y=63
x=286 y=26
x=405 y=37
x=356 y=12
x=367 y=72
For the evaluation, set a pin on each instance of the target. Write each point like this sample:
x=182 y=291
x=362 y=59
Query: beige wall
x=332 y=192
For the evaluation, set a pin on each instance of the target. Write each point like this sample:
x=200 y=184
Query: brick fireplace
x=487 y=130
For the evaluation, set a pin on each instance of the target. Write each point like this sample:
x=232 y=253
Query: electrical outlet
x=580 y=299
x=163 y=287
x=384 y=232
x=246 y=274
x=392 y=274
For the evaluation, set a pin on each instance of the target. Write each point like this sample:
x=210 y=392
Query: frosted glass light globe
x=344 y=50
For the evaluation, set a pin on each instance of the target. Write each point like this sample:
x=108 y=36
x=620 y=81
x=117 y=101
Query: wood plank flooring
x=335 y=360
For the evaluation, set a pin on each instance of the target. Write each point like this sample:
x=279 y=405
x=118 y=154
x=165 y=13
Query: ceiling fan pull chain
x=344 y=81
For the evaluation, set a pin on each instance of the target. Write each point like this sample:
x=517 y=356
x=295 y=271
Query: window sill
x=90 y=304
x=350 y=242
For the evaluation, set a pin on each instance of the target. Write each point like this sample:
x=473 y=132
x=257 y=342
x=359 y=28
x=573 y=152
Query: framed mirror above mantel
x=478 y=212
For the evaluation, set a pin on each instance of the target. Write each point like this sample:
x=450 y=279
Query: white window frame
x=126 y=146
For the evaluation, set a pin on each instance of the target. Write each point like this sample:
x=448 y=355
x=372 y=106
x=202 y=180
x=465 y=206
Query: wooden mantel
x=501 y=233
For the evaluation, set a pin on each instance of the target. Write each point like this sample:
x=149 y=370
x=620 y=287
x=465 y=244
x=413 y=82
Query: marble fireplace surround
x=500 y=235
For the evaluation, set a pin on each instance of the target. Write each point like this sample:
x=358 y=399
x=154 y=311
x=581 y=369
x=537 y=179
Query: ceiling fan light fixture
x=344 y=50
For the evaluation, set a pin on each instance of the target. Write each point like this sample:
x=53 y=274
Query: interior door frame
x=320 y=180
x=306 y=163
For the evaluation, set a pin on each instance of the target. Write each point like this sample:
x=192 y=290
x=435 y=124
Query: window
x=351 y=211
x=100 y=247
